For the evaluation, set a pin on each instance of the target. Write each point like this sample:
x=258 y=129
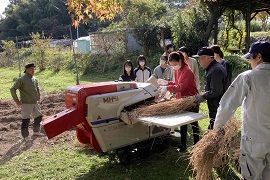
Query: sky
x=3 y=4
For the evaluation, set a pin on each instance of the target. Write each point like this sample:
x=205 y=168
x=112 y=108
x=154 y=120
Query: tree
x=8 y=54
x=263 y=18
x=146 y=17
x=83 y=10
x=188 y=27
x=234 y=32
x=109 y=42
x=40 y=44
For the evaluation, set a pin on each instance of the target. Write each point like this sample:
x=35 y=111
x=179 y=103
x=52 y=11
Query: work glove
x=162 y=82
x=163 y=90
x=199 y=99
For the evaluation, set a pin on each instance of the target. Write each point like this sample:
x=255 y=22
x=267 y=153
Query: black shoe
x=181 y=149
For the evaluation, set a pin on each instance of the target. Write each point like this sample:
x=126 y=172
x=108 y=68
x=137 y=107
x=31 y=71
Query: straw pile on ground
x=164 y=108
x=213 y=150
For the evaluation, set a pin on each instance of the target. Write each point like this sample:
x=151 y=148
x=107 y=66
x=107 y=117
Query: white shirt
x=251 y=89
x=192 y=63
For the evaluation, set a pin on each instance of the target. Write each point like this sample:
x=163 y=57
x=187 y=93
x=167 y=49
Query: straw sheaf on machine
x=214 y=150
x=164 y=108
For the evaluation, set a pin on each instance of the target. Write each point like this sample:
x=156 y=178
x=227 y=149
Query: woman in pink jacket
x=183 y=85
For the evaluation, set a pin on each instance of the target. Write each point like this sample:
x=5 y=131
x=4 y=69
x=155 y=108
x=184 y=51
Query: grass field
x=50 y=81
x=76 y=162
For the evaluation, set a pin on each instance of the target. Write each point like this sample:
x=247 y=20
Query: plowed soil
x=11 y=143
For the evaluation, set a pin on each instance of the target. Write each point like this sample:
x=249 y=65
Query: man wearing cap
x=215 y=83
x=251 y=89
x=192 y=63
x=29 y=97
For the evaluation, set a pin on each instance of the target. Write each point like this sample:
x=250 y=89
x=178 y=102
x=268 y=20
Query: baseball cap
x=205 y=51
x=28 y=66
x=262 y=47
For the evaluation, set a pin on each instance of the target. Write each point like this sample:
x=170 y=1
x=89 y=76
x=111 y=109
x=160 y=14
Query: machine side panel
x=119 y=135
x=102 y=109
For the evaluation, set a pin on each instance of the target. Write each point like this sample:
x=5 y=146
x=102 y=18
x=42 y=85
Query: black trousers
x=212 y=116
x=195 y=129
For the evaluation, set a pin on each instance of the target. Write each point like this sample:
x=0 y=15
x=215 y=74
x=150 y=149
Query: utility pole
x=77 y=32
x=17 y=47
x=74 y=56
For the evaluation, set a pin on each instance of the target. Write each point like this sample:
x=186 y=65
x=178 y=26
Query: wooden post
x=248 y=18
x=216 y=31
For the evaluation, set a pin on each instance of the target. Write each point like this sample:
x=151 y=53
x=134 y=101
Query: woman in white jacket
x=142 y=72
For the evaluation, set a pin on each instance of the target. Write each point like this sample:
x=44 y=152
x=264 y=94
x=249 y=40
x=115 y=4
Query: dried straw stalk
x=164 y=108
x=213 y=150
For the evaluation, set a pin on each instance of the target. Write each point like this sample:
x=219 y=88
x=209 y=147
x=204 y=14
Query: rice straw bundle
x=231 y=129
x=212 y=150
x=164 y=108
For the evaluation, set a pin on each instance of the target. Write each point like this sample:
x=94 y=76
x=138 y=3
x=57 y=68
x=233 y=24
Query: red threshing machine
x=99 y=113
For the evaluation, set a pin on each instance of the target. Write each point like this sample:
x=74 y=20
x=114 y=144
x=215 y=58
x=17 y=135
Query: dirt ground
x=11 y=143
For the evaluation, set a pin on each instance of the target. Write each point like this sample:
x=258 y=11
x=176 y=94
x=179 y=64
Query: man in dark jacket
x=215 y=84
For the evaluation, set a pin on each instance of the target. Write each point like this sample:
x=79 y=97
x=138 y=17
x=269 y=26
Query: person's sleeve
x=231 y=100
x=38 y=91
x=170 y=83
x=14 y=88
x=120 y=78
x=155 y=73
x=183 y=84
x=171 y=74
x=216 y=85
x=196 y=74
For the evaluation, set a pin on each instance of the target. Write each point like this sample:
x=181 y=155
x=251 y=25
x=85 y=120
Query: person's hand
x=163 y=90
x=199 y=99
x=162 y=82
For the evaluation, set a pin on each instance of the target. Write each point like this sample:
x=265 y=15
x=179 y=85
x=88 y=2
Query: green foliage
x=41 y=44
x=238 y=64
x=24 y=17
x=147 y=18
x=187 y=27
x=259 y=36
x=255 y=26
x=232 y=36
x=8 y=54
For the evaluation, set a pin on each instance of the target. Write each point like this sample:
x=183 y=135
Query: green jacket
x=29 y=89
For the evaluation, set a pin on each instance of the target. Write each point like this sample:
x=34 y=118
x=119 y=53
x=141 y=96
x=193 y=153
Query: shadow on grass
x=157 y=166
x=17 y=149
x=165 y=165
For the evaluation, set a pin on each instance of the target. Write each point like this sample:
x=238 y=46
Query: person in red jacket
x=184 y=85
